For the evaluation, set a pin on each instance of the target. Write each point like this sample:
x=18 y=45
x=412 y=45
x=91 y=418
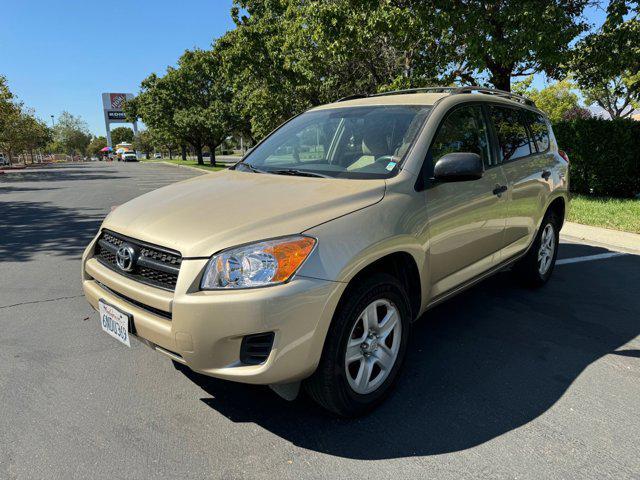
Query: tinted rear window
x=511 y=129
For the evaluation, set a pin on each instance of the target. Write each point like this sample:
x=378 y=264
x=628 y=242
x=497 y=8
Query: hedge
x=604 y=155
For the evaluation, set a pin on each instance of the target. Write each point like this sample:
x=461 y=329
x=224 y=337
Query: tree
x=36 y=133
x=71 y=134
x=155 y=105
x=191 y=103
x=12 y=137
x=143 y=142
x=606 y=63
x=8 y=105
x=96 y=145
x=577 y=113
x=163 y=141
x=23 y=132
x=499 y=40
x=619 y=97
x=121 y=135
x=285 y=56
x=556 y=100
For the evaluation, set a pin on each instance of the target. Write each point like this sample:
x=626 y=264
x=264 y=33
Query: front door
x=466 y=219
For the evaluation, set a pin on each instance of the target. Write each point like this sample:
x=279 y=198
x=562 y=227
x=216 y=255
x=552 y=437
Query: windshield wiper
x=249 y=167
x=299 y=173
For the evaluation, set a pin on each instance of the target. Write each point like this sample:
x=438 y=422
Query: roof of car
x=428 y=96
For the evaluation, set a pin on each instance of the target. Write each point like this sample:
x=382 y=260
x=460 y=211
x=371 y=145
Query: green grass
x=189 y=163
x=615 y=213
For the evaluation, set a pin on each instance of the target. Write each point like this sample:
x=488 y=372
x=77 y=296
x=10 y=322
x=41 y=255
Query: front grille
x=153 y=265
x=148 y=308
x=255 y=349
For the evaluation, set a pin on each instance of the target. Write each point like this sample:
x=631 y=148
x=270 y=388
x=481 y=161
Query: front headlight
x=257 y=265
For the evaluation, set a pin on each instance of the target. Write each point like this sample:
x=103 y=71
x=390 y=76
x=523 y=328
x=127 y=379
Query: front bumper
x=204 y=329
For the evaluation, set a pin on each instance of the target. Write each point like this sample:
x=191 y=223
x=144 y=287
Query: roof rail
x=496 y=92
x=416 y=90
x=352 y=97
x=449 y=90
x=399 y=92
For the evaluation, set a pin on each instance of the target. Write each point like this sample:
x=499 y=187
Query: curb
x=601 y=237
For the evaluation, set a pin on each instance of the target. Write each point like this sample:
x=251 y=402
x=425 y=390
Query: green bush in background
x=604 y=155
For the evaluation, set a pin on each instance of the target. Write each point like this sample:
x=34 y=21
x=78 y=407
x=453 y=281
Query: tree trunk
x=501 y=78
x=198 y=150
x=213 y=155
x=184 y=151
x=147 y=156
x=170 y=154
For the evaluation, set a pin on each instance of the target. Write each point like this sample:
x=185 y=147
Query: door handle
x=546 y=174
x=499 y=190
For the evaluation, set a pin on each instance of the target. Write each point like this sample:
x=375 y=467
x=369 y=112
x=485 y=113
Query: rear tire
x=364 y=348
x=536 y=267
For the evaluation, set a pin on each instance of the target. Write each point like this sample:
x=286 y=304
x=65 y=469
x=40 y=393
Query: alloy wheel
x=547 y=249
x=372 y=346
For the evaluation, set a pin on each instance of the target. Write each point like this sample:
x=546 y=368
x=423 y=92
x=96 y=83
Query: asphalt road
x=501 y=382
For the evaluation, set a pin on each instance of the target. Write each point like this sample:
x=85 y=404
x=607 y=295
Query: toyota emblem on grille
x=126 y=258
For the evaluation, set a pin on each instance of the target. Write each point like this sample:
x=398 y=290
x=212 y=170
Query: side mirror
x=458 y=167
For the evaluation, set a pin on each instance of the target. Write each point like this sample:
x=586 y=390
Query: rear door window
x=539 y=131
x=511 y=129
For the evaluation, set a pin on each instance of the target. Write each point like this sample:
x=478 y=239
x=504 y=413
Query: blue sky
x=61 y=55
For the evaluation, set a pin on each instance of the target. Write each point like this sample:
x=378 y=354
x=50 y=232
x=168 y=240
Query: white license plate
x=114 y=322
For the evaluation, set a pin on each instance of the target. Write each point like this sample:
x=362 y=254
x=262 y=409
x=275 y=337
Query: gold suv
x=307 y=262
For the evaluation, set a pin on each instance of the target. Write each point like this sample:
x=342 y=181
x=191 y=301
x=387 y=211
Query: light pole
x=53 y=124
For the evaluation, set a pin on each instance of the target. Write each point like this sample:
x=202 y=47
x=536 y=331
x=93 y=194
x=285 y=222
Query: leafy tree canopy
x=606 y=63
x=71 y=134
x=96 y=145
x=557 y=100
x=121 y=135
x=497 y=40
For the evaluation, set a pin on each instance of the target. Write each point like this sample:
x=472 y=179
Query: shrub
x=604 y=155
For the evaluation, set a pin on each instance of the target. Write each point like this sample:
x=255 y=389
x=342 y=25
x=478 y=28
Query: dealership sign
x=117 y=100
x=114 y=115
x=112 y=105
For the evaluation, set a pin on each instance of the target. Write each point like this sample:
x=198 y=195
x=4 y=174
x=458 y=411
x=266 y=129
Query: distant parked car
x=129 y=157
x=3 y=160
x=157 y=155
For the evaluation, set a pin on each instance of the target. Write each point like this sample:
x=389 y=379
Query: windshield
x=347 y=142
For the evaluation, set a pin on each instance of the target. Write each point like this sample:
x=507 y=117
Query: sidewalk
x=601 y=237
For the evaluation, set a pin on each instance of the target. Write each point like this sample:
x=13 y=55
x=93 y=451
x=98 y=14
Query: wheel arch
x=558 y=206
x=401 y=265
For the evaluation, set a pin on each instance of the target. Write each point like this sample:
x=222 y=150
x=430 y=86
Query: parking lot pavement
x=500 y=382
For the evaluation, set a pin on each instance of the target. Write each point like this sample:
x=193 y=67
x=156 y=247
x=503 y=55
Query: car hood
x=203 y=215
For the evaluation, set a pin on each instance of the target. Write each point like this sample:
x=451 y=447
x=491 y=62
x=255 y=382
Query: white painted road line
x=589 y=258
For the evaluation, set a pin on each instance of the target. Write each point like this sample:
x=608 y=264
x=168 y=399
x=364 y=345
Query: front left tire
x=364 y=349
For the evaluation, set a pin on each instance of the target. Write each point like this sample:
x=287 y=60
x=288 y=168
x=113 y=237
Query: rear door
x=523 y=141
x=466 y=219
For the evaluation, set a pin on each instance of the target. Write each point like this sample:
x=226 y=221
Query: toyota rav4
x=306 y=263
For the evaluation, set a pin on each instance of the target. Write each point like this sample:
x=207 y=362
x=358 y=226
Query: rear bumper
x=204 y=330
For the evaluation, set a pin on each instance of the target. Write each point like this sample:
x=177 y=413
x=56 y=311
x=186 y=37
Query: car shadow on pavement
x=478 y=366
x=28 y=228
